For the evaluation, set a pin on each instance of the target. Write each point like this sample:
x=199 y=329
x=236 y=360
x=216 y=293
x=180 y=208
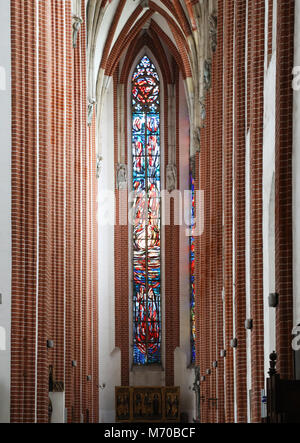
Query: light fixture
x=223 y=353
x=50 y=344
x=203 y=378
x=74 y=363
x=215 y=364
x=234 y=343
x=249 y=323
x=208 y=371
x=273 y=300
x=89 y=378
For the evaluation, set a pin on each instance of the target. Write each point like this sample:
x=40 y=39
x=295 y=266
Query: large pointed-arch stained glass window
x=147 y=226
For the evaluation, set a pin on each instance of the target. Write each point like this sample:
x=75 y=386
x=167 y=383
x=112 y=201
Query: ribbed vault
x=180 y=32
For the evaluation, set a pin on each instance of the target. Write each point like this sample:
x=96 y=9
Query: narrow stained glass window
x=147 y=226
x=192 y=269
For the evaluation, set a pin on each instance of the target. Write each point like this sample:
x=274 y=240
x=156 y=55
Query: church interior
x=149 y=211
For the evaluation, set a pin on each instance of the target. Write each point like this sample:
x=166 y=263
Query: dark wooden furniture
x=283 y=397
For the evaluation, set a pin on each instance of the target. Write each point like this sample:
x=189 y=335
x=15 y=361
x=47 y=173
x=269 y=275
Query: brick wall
x=240 y=208
x=235 y=104
x=54 y=244
x=283 y=185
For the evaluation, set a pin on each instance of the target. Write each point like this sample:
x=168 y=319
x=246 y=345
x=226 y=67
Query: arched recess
x=156 y=374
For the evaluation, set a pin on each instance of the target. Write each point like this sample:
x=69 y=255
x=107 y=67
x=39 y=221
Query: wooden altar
x=147 y=404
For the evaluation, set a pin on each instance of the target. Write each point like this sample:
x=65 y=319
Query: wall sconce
x=89 y=378
x=74 y=363
x=203 y=378
x=208 y=371
x=102 y=387
x=223 y=353
x=50 y=344
x=249 y=323
x=234 y=343
x=215 y=364
x=273 y=300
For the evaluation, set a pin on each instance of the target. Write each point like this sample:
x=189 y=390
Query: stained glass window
x=192 y=269
x=147 y=226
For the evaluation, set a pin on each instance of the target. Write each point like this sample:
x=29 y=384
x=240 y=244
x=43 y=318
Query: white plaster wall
x=5 y=210
x=296 y=175
x=110 y=365
x=269 y=208
x=184 y=375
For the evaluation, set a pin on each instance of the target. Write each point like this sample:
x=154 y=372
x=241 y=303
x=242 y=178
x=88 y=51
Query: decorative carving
x=193 y=166
x=55 y=386
x=122 y=176
x=202 y=110
x=207 y=75
x=171 y=178
x=213 y=26
x=172 y=404
x=123 y=404
x=77 y=22
x=145 y=5
x=196 y=389
x=50 y=410
x=273 y=362
x=147 y=404
x=99 y=165
x=91 y=105
x=196 y=139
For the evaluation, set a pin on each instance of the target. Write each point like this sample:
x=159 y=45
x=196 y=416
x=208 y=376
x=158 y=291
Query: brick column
x=121 y=260
x=24 y=18
x=218 y=145
x=283 y=185
x=240 y=208
x=256 y=113
x=228 y=200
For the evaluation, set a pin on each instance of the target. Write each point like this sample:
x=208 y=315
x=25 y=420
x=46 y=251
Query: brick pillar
x=121 y=262
x=70 y=221
x=171 y=256
x=256 y=112
x=24 y=209
x=240 y=209
x=283 y=185
x=213 y=242
x=218 y=146
x=46 y=214
x=228 y=216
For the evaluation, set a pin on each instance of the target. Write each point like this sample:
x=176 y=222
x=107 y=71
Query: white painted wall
x=184 y=375
x=5 y=210
x=110 y=363
x=269 y=208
